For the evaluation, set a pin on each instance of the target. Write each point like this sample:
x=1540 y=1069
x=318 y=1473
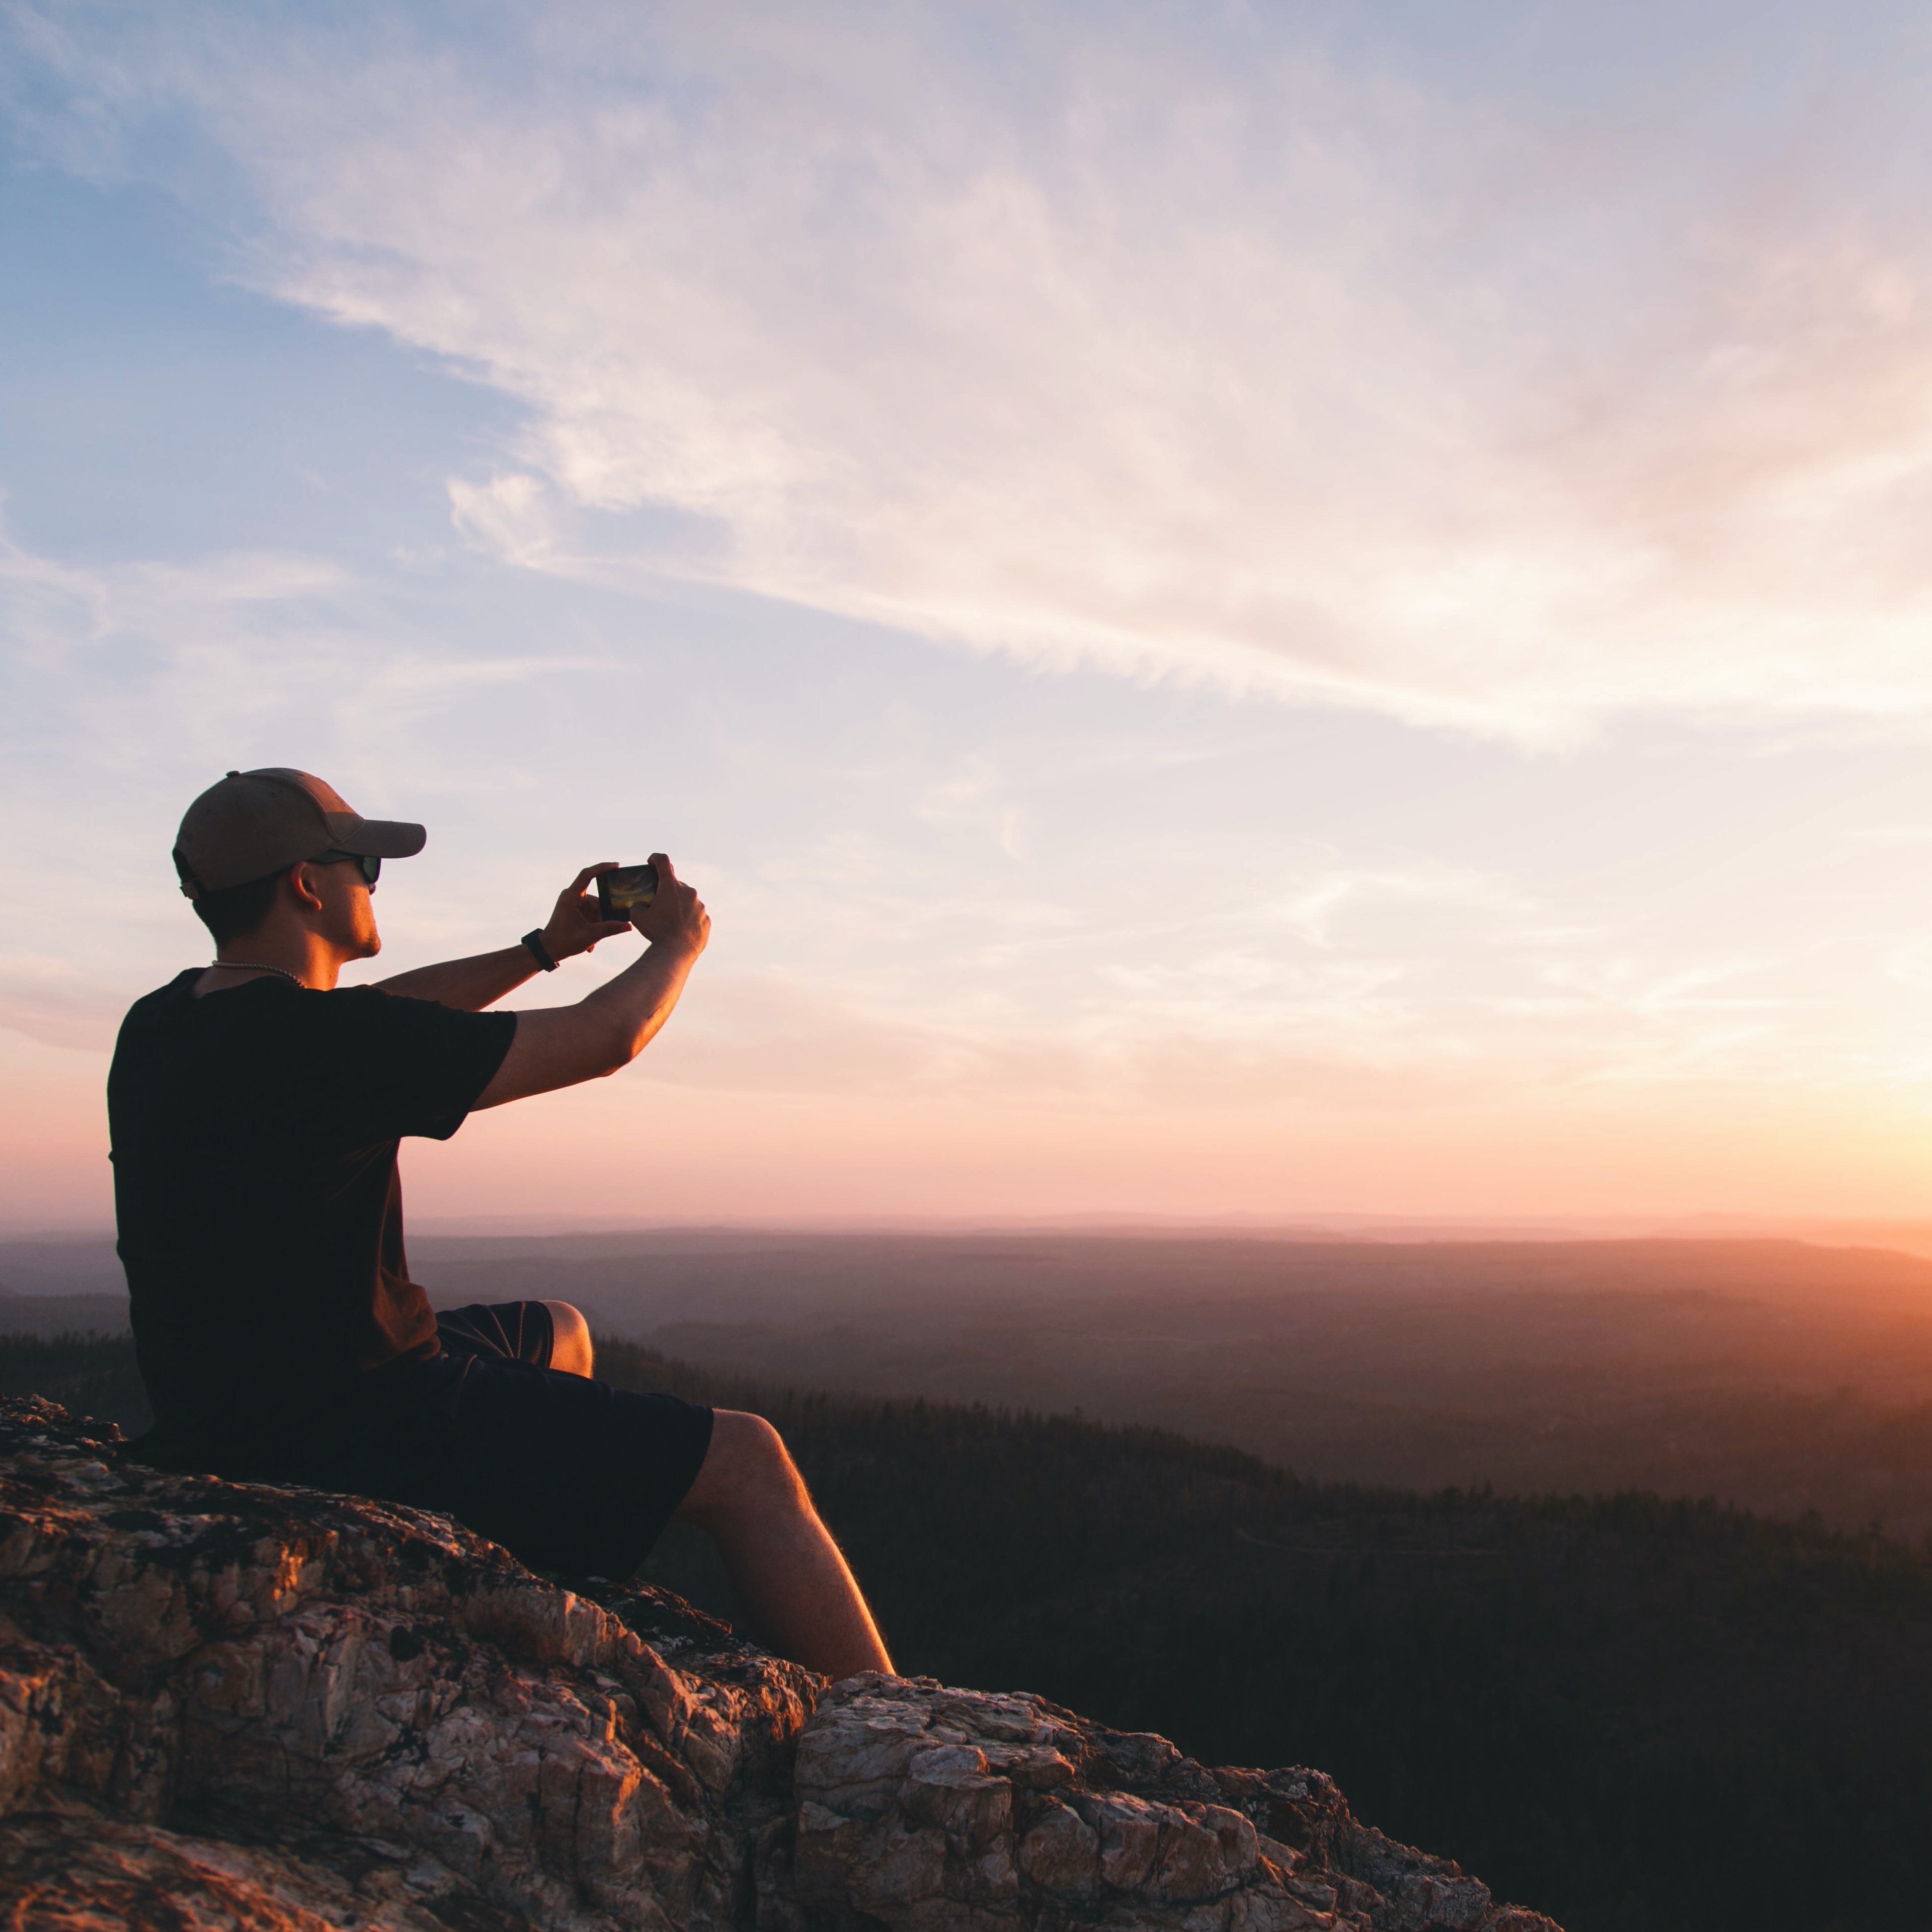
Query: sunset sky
x=1238 y=611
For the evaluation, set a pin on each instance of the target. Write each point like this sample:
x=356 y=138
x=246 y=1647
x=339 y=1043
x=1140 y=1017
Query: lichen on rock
x=236 y=1705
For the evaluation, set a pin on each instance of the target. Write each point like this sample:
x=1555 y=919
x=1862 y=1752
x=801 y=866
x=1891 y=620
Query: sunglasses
x=372 y=868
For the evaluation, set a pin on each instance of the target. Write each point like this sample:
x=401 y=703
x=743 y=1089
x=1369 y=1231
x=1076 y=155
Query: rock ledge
x=228 y=1705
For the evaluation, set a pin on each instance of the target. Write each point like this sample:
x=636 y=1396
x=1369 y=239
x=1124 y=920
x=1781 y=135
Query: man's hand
x=675 y=923
x=676 y=915
x=576 y=925
x=558 y=1046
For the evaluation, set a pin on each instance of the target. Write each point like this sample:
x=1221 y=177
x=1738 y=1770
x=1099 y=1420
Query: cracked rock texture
x=227 y=1705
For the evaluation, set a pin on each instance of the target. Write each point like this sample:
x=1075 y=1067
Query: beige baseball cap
x=255 y=823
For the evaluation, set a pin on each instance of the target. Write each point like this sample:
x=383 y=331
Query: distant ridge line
x=1343 y=1549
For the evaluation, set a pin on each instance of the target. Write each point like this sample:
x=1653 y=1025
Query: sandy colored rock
x=236 y=1708
x=921 y=1805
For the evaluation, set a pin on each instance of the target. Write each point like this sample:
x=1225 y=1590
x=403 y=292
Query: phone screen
x=628 y=886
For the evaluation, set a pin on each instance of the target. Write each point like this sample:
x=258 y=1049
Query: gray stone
x=234 y=1708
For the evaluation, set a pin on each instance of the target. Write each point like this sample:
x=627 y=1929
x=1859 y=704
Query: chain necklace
x=256 y=966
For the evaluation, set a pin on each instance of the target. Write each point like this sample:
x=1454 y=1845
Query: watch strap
x=538 y=951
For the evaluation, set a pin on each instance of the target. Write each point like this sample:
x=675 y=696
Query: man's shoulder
x=372 y=1004
x=152 y=1009
x=365 y=1012
x=174 y=1013
x=180 y=987
x=342 y=1017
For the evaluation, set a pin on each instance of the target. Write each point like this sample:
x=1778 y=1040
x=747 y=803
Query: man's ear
x=303 y=887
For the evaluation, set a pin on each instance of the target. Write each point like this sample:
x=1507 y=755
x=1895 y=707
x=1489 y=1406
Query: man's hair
x=230 y=913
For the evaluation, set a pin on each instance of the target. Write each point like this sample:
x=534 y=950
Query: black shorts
x=566 y=1473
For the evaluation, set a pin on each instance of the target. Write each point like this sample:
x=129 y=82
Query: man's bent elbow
x=628 y=1042
x=618 y=1049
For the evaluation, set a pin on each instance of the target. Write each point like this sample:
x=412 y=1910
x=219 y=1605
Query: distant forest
x=1779 y=1376
x=1637 y=1714
x=1782 y=1377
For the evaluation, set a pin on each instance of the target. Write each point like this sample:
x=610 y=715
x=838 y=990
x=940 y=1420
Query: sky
x=1239 y=612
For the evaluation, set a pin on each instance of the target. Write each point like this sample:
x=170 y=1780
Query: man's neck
x=301 y=956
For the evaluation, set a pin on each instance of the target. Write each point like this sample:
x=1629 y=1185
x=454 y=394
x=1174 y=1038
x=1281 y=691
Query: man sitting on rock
x=256 y=1110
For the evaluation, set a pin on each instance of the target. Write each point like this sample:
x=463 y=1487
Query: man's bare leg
x=792 y=1587
x=570 y=1349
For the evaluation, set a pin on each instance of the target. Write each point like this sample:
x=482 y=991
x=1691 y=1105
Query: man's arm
x=560 y=1046
x=470 y=985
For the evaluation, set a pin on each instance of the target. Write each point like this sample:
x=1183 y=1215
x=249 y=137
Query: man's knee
x=570 y=1345
x=747 y=1471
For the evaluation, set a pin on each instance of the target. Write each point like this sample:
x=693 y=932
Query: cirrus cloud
x=1216 y=350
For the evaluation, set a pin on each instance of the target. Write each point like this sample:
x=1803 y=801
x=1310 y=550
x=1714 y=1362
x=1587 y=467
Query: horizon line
x=1818 y=1230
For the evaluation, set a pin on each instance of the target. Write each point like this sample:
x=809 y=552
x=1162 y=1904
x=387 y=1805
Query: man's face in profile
x=347 y=919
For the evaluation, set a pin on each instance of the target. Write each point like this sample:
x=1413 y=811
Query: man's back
x=256 y=1112
x=254 y=1137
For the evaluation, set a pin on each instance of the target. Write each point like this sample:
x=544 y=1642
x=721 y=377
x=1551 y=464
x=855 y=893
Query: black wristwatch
x=538 y=951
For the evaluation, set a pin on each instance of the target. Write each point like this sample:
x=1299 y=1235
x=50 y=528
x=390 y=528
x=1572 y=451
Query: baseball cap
x=255 y=823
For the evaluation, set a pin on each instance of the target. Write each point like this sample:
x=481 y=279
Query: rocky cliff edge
x=225 y=1706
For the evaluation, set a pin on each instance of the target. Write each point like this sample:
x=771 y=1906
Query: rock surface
x=227 y=1705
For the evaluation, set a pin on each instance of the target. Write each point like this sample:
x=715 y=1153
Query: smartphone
x=629 y=886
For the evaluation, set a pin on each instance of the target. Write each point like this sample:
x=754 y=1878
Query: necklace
x=255 y=966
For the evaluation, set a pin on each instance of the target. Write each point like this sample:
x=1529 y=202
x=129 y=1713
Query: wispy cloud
x=1497 y=379
x=932 y=950
x=47 y=1000
x=1203 y=352
x=203 y=642
x=125 y=687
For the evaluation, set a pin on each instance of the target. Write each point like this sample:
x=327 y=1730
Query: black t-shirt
x=261 y=1219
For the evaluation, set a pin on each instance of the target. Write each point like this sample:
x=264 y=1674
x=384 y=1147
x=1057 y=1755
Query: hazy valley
x=1778 y=1375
